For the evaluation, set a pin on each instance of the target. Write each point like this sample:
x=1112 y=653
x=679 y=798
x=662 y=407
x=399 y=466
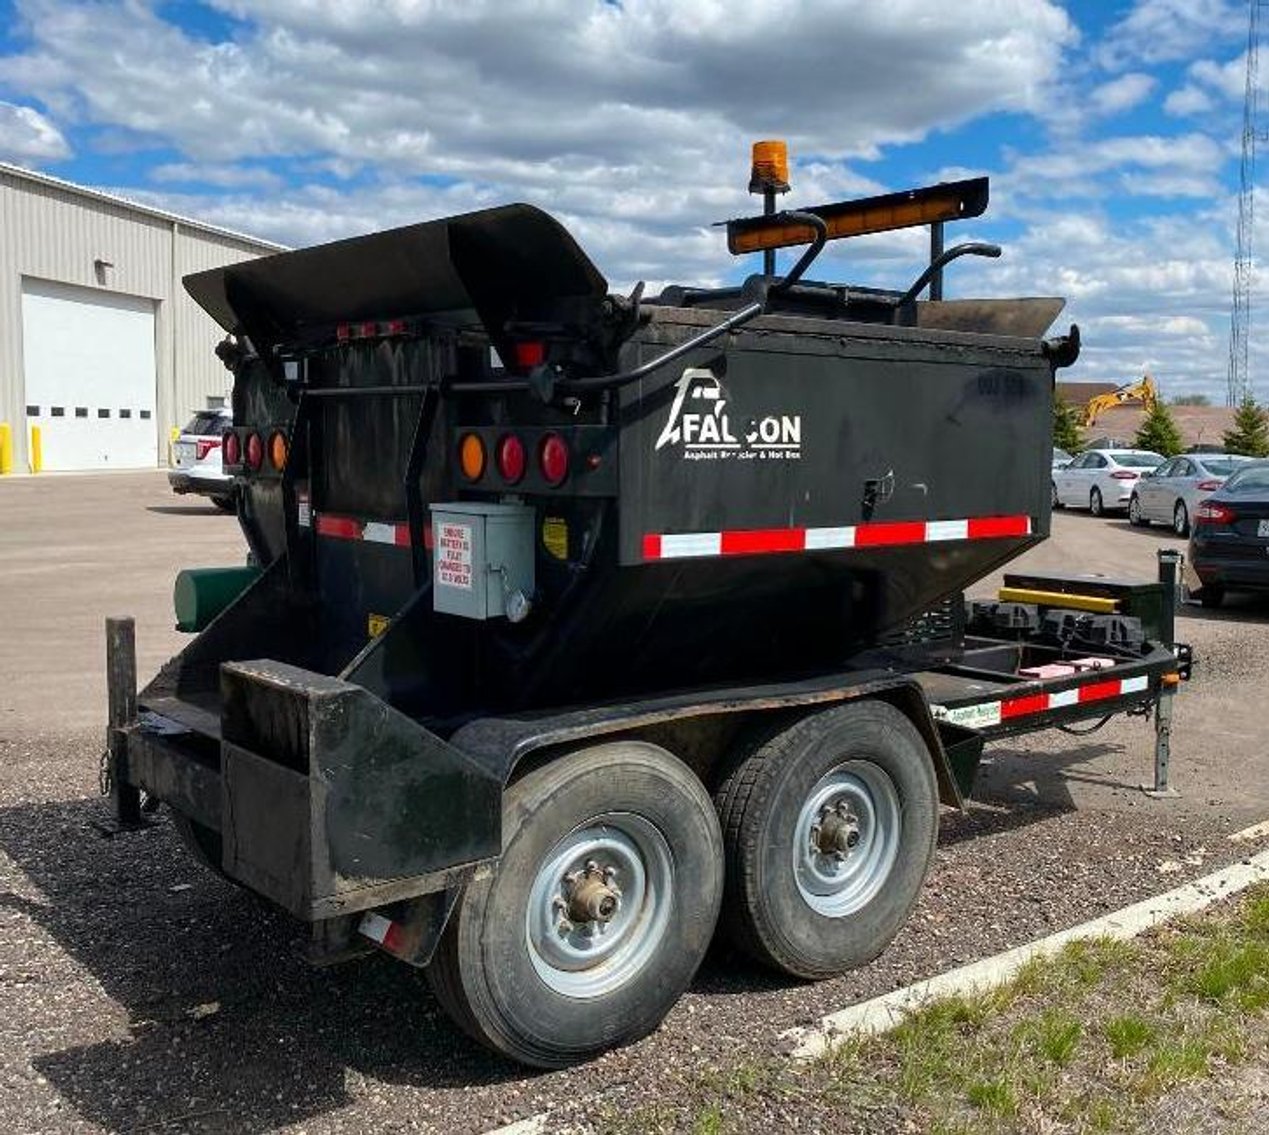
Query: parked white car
x=1171 y=494
x=198 y=466
x=1102 y=479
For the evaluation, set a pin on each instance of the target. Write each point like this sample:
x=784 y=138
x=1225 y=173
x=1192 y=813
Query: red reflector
x=530 y=354
x=206 y=445
x=1125 y=475
x=1021 y=707
x=395 y=327
x=343 y=332
x=884 y=532
x=255 y=451
x=511 y=458
x=1099 y=691
x=753 y=541
x=1208 y=486
x=1214 y=513
x=233 y=448
x=367 y=330
x=988 y=527
x=553 y=459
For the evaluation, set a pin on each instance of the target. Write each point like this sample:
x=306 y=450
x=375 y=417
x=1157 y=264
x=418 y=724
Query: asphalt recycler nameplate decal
x=701 y=427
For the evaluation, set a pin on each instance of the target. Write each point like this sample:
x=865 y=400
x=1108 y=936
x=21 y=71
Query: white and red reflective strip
x=382 y=931
x=353 y=528
x=983 y=715
x=876 y=534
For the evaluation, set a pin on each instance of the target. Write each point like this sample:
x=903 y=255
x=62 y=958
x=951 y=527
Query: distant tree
x=1250 y=433
x=1191 y=400
x=1158 y=432
x=1067 y=433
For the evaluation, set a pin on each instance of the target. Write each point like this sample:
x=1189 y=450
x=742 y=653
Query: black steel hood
x=511 y=260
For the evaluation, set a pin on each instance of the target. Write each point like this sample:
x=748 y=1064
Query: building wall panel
x=60 y=234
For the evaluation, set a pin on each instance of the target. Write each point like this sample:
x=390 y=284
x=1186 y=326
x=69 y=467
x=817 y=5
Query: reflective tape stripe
x=875 y=534
x=351 y=528
x=982 y=715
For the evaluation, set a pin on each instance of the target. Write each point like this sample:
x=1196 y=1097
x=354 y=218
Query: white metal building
x=101 y=350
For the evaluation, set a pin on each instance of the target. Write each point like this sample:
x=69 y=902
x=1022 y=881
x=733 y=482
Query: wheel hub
x=846 y=838
x=837 y=832
x=599 y=905
x=588 y=896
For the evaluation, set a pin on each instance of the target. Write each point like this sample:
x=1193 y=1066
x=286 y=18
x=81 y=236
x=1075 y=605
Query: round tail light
x=511 y=458
x=255 y=451
x=278 y=451
x=231 y=451
x=553 y=459
x=471 y=456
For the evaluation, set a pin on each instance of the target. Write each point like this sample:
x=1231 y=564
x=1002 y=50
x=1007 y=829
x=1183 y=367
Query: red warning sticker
x=453 y=555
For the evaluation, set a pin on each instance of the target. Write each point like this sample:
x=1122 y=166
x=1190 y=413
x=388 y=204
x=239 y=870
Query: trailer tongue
x=584 y=617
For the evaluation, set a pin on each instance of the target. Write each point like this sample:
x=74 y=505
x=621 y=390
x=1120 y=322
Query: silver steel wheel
x=847 y=838
x=1180 y=519
x=599 y=905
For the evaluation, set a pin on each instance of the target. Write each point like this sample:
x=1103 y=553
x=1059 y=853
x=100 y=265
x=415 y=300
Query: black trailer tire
x=780 y=906
x=1212 y=595
x=512 y=969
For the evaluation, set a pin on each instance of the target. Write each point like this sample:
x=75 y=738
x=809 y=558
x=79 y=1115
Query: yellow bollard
x=6 y=449
x=37 y=451
x=171 y=444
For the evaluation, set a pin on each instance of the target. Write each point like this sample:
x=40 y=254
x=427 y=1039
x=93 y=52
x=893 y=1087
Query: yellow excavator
x=1144 y=392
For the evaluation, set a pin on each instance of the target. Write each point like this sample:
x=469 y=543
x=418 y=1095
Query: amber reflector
x=471 y=456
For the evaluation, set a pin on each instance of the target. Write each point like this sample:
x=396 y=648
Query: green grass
x=1127 y=1035
x=1086 y=1041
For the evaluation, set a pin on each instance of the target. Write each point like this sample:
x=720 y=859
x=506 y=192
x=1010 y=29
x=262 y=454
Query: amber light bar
x=952 y=201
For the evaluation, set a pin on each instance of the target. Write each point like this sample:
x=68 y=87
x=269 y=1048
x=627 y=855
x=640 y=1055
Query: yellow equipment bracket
x=1096 y=603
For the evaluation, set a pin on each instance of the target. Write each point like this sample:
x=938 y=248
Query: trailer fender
x=518 y=744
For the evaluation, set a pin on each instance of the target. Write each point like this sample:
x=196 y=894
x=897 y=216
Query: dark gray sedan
x=1229 y=546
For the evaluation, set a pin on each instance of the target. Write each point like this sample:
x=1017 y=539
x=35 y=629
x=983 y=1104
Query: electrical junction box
x=482 y=559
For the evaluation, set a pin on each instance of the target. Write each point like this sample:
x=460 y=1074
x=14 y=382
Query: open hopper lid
x=503 y=261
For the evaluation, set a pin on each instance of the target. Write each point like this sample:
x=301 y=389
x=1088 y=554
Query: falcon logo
x=700 y=423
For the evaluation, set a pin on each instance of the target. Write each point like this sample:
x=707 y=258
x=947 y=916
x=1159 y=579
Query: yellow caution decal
x=555 y=536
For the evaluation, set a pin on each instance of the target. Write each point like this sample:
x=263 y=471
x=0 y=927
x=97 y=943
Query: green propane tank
x=200 y=594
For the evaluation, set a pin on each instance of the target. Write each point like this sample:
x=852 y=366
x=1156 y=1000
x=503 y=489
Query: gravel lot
x=141 y=993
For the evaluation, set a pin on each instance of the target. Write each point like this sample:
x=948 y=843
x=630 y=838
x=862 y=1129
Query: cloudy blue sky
x=1110 y=130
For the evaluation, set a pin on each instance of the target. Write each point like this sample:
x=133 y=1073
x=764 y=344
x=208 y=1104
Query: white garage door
x=88 y=362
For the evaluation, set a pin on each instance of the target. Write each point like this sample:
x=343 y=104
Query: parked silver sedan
x=1102 y=479
x=1171 y=493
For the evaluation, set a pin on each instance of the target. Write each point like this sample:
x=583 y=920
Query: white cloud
x=1159 y=31
x=27 y=137
x=1228 y=80
x=426 y=88
x=224 y=176
x=1122 y=94
x=1188 y=100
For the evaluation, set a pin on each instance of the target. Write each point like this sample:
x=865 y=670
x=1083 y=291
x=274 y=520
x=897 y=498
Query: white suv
x=198 y=466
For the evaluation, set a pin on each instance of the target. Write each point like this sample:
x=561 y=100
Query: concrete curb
x=883 y=1013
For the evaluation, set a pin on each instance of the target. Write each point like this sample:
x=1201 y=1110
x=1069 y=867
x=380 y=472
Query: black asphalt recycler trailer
x=586 y=623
